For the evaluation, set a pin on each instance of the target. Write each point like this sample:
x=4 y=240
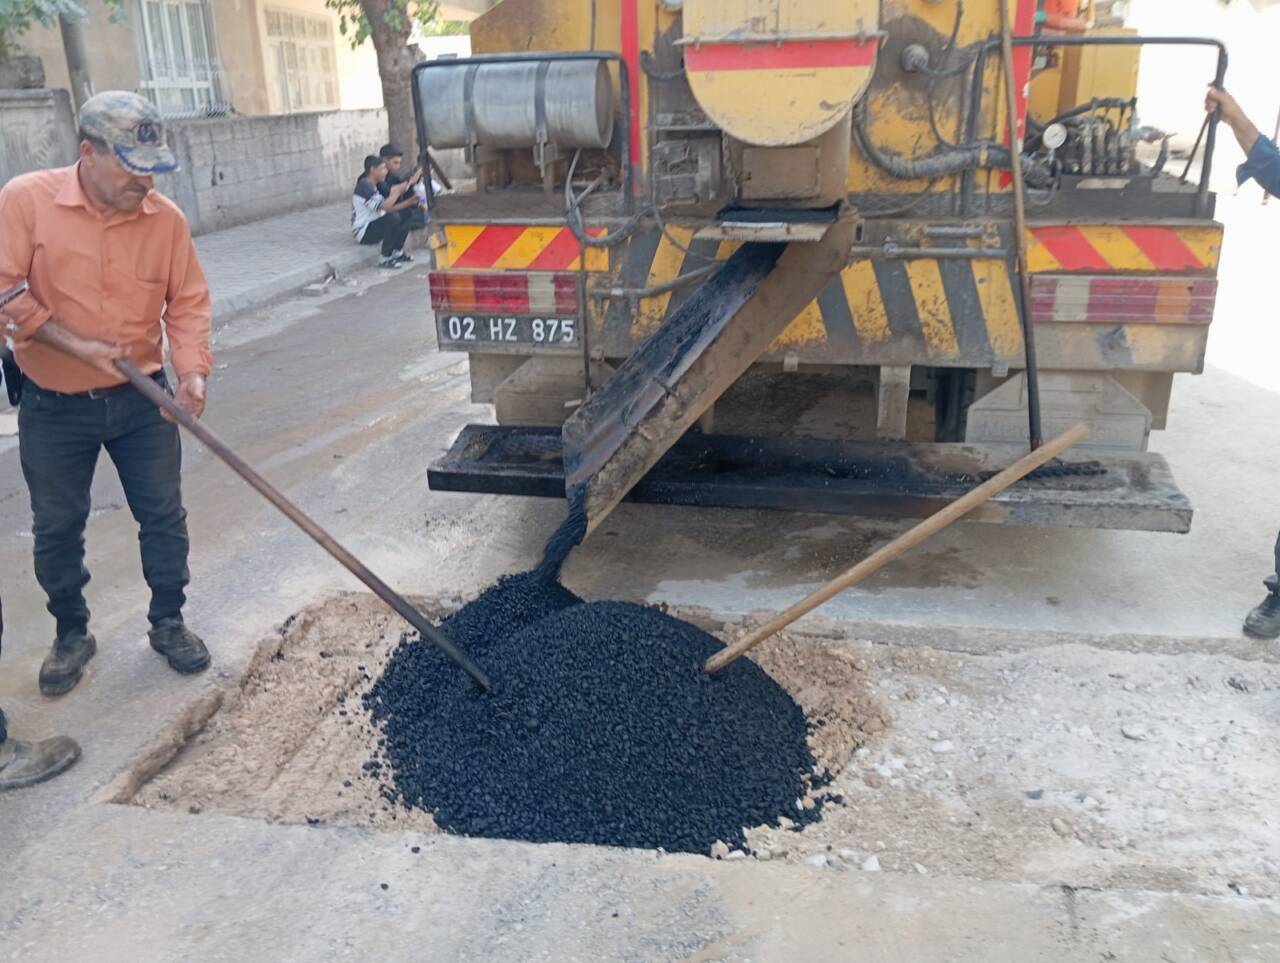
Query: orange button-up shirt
x=111 y=277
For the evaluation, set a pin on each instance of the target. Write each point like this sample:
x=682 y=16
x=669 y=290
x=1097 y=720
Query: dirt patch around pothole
x=289 y=745
x=1063 y=765
x=294 y=743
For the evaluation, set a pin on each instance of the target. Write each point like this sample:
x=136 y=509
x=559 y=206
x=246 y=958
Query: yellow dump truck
x=763 y=253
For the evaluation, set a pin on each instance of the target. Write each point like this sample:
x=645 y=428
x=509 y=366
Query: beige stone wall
x=241 y=169
x=35 y=131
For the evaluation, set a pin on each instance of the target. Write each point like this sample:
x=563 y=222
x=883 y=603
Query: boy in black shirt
x=410 y=208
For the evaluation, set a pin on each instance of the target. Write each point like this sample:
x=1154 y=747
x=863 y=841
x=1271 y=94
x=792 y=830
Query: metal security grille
x=303 y=61
x=181 y=70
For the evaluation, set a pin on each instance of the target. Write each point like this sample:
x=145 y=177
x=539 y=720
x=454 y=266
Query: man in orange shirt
x=112 y=269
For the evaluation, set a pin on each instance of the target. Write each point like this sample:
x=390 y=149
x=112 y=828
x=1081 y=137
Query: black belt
x=94 y=393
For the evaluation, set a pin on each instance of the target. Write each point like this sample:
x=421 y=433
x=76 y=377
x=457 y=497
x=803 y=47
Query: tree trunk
x=395 y=61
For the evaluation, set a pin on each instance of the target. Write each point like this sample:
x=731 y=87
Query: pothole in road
x=296 y=744
x=1062 y=764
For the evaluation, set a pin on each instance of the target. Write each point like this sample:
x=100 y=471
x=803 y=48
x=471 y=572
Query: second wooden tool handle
x=903 y=543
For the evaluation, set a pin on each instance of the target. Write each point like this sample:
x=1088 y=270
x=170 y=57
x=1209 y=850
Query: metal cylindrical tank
x=505 y=104
x=579 y=104
x=442 y=93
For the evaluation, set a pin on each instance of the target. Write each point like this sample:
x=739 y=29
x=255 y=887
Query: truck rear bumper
x=899 y=479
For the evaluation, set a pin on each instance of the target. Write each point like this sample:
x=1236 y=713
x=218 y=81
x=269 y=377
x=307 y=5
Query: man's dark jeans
x=59 y=439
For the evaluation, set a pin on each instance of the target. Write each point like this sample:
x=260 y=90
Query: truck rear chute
x=690 y=361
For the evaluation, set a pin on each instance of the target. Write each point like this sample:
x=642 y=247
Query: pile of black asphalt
x=601 y=726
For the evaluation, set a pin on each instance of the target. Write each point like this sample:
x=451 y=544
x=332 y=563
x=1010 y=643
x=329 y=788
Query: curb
x=289 y=282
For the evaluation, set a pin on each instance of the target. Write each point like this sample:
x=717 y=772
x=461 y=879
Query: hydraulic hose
x=952 y=160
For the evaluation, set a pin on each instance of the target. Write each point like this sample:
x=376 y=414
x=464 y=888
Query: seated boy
x=376 y=219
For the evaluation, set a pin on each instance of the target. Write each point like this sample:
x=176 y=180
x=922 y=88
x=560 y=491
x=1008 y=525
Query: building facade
x=201 y=58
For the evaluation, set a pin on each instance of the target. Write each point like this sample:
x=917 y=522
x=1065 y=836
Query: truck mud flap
x=1133 y=491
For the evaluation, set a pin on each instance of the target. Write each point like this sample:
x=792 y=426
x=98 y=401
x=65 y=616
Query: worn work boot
x=27 y=763
x=182 y=647
x=65 y=663
x=1264 y=621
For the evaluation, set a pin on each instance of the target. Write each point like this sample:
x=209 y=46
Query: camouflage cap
x=132 y=127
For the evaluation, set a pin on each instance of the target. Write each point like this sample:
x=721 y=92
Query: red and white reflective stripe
x=542 y=293
x=785 y=55
x=504 y=292
x=1108 y=299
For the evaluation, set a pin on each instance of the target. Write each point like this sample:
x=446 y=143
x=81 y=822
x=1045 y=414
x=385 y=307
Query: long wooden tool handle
x=903 y=543
x=398 y=603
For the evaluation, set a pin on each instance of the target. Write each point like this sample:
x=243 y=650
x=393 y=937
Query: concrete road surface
x=343 y=403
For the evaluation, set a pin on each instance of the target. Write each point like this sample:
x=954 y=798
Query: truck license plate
x=462 y=331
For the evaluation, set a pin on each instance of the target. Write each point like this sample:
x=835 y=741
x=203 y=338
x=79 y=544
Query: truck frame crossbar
x=1134 y=491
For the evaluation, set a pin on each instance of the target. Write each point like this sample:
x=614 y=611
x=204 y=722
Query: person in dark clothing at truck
x=1263 y=165
x=1262 y=155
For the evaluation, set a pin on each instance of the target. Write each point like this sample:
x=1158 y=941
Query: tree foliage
x=19 y=16
x=399 y=15
x=389 y=24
